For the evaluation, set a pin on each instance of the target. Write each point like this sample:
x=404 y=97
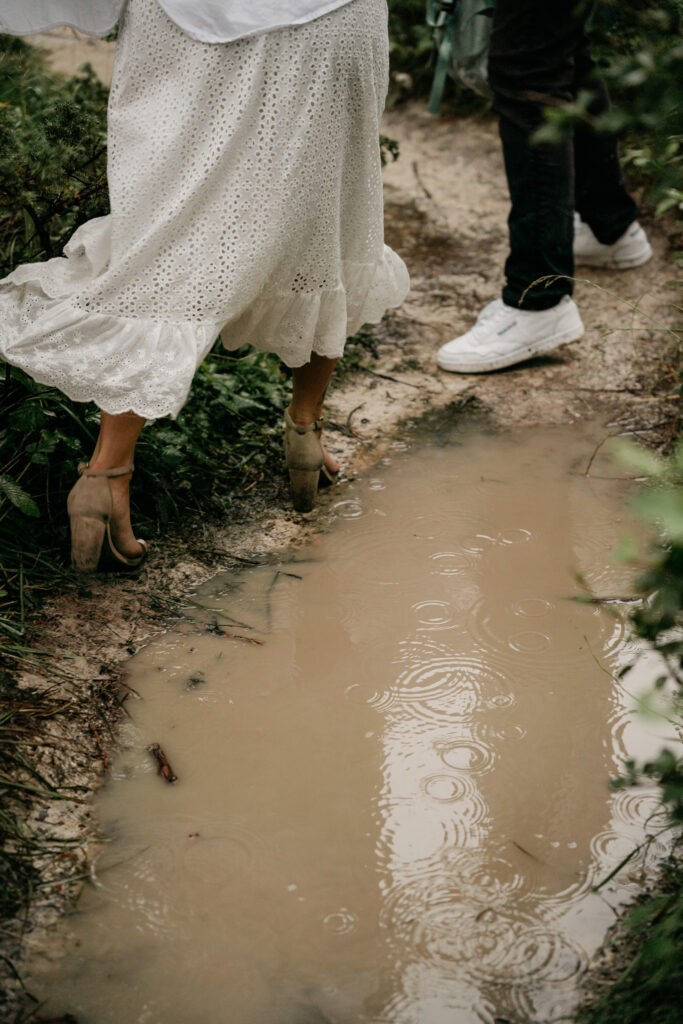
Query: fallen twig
x=216 y=624
x=98 y=741
x=217 y=630
x=597 y=448
x=394 y=380
x=348 y=422
x=427 y=193
x=526 y=852
x=253 y=484
x=237 y=636
x=418 y=179
x=161 y=759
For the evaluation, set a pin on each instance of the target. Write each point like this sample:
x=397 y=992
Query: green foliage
x=640 y=51
x=388 y=149
x=661 y=505
x=410 y=49
x=52 y=155
x=18 y=497
x=659 y=619
x=649 y=990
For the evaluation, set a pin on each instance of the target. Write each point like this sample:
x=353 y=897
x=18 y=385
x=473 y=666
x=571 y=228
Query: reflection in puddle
x=394 y=809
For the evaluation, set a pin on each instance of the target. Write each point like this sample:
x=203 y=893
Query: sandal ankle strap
x=85 y=470
x=302 y=428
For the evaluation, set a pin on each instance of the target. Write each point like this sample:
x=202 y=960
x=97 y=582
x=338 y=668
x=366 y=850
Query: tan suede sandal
x=90 y=507
x=306 y=462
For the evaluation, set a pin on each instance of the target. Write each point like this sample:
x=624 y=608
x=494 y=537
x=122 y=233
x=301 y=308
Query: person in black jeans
x=540 y=57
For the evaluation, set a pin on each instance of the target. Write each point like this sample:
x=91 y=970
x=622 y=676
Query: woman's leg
x=116 y=447
x=308 y=393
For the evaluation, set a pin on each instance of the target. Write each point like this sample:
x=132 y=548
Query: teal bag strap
x=440 y=19
x=461 y=31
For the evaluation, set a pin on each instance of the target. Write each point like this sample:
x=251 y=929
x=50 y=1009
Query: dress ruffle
x=121 y=364
x=286 y=321
x=146 y=366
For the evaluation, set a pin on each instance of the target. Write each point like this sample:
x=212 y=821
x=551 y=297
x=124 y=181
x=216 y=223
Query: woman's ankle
x=303 y=415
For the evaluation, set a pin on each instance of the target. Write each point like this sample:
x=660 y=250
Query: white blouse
x=209 y=21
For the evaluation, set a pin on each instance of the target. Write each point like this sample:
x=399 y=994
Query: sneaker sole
x=626 y=263
x=522 y=354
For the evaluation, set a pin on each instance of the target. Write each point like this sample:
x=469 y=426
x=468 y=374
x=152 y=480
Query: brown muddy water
x=393 y=808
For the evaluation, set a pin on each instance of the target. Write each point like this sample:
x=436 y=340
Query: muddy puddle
x=392 y=750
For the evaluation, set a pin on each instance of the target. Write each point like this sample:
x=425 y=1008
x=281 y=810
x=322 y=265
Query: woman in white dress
x=246 y=201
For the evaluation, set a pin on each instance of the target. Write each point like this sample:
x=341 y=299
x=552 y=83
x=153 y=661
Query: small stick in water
x=247 y=639
x=161 y=759
x=217 y=630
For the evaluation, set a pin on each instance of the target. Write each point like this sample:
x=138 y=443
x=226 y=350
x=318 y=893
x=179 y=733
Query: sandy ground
x=446 y=209
x=67 y=50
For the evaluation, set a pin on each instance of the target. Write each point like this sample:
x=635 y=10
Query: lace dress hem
x=146 y=365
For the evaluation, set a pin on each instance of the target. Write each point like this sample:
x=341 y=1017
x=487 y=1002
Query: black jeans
x=539 y=57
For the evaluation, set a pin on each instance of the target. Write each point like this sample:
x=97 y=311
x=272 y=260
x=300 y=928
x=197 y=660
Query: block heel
x=87 y=537
x=304 y=487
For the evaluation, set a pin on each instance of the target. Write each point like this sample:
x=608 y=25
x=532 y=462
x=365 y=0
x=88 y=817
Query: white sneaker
x=631 y=250
x=503 y=336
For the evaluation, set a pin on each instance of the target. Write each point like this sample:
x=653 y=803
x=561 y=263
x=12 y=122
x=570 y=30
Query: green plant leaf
x=638 y=460
x=664 y=508
x=14 y=493
x=626 y=550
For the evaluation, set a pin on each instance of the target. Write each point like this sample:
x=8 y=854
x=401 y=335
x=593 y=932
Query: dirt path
x=67 y=50
x=446 y=209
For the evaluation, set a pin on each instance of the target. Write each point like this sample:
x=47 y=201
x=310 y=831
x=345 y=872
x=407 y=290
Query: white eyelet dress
x=246 y=201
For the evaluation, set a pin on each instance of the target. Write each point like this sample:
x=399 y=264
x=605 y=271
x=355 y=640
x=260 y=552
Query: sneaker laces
x=495 y=310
